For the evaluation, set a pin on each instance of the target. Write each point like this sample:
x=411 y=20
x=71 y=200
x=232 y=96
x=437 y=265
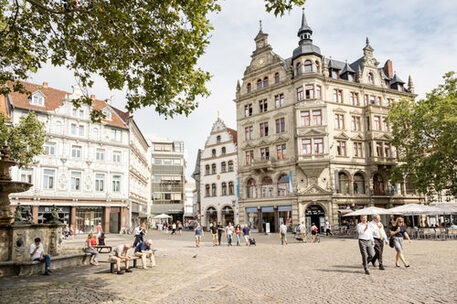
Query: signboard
x=267 y=227
x=314 y=210
x=251 y=209
x=268 y=209
x=284 y=208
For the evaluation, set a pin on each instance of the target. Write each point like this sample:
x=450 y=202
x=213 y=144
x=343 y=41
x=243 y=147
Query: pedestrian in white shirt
x=366 y=242
x=380 y=237
x=36 y=254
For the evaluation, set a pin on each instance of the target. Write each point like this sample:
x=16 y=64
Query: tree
x=425 y=134
x=25 y=140
x=148 y=47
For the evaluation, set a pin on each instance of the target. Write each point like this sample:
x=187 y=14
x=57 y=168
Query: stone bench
x=132 y=258
x=27 y=268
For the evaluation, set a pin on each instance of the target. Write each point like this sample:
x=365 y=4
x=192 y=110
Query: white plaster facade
x=218 y=176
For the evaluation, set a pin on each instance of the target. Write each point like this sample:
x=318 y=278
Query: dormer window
x=334 y=74
x=37 y=99
x=107 y=113
x=248 y=87
x=350 y=77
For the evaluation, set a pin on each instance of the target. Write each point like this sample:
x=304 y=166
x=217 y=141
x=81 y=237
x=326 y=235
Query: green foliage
x=150 y=48
x=25 y=140
x=425 y=133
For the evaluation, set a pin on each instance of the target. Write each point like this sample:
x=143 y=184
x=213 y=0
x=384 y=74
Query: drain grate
x=213 y=288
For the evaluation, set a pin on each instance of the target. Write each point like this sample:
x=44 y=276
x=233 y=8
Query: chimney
x=45 y=84
x=388 y=70
x=92 y=96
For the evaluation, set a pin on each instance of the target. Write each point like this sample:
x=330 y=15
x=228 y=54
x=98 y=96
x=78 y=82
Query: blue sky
x=419 y=36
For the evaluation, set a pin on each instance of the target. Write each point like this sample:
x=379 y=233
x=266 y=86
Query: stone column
x=260 y=220
x=276 y=220
x=73 y=218
x=106 y=219
x=124 y=217
x=35 y=214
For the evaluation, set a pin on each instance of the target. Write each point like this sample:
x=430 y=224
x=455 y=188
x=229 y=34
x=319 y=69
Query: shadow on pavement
x=338 y=270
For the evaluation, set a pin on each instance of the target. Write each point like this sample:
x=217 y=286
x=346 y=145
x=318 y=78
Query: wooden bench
x=100 y=248
x=132 y=258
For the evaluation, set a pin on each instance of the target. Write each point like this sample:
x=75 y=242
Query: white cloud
x=419 y=36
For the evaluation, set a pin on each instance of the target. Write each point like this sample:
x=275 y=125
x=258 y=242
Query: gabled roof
x=54 y=98
x=233 y=133
x=396 y=79
x=347 y=69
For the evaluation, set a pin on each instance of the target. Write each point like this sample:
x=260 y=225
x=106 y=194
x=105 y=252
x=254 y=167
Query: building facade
x=189 y=189
x=84 y=171
x=196 y=176
x=167 y=178
x=313 y=141
x=218 y=176
x=139 y=175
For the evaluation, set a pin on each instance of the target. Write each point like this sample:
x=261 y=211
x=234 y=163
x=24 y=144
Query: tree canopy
x=25 y=139
x=425 y=134
x=148 y=47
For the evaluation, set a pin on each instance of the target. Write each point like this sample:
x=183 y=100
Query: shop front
x=252 y=216
x=227 y=216
x=211 y=216
x=115 y=220
x=285 y=216
x=87 y=219
x=315 y=214
x=44 y=214
x=268 y=219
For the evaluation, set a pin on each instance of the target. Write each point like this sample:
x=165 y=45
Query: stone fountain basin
x=14 y=187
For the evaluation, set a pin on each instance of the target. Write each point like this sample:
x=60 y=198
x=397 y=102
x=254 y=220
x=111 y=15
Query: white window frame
x=75 y=180
x=47 y=176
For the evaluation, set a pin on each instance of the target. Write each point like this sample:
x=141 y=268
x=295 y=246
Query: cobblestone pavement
x=329 y=272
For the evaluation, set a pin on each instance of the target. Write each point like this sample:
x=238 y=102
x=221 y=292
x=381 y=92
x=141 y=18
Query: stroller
x=252 y=242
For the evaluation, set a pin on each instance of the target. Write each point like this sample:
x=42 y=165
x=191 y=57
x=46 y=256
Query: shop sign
x=284 y=208
x=113 y=210
x=59 y=209
x=268 y=209
x=343 y=206
x=251 y=209
x=314 y=210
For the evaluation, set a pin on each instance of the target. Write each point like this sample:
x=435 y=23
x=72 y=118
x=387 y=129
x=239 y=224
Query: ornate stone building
x=312 y=137
x=217 y=176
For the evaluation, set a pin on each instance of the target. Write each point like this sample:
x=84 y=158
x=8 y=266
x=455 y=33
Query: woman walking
x=89 y=248
x=398 y=232
x=238 y=234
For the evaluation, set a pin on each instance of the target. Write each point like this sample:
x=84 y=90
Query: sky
x=419 y=36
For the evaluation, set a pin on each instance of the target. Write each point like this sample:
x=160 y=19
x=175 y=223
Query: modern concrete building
x=189 y=189
x=313 y=141
x=167 y=178
x=218 y=169
x=85 y=169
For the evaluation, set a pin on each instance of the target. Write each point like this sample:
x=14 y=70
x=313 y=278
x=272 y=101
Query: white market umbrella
x=444 y=209
x=162 y=216
x=368 y=211
x=411 y=209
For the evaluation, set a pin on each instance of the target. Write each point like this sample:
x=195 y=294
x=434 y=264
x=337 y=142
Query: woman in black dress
x=398 y=232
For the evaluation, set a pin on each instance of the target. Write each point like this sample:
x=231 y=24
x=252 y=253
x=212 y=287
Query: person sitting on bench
x=36 y=254
x=101 y=240
x=143 y=250
x=120 y=253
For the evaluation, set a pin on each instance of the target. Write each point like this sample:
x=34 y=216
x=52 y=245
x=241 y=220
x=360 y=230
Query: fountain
x=16 y=234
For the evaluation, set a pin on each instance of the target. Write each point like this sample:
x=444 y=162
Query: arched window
x=213 y=169
x=370 y=78
x=343 y=181
x=248 y=87
x=230 y=166
x=224 y=188
x=265 y=82
x=378 y=184
x=276 y=77
x=211 y=216
x=308 y=66
x=223 y=150
x=251 y=191
x=207 y=190
x=318 y=67
x=207 y=170
x=213 y=153
x=231 y=189
x=218 y=139
x=223 y=167
x=259 y=83
x=266 y=187
x=298 y=69
x=283 y=185
x=359 y=184
x=213 y=190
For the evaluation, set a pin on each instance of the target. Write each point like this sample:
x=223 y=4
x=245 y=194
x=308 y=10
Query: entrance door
x=268 y=216
x=315 y=214
x=114 y=221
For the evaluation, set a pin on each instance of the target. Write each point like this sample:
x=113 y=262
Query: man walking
x=379 y=236
x=229 y=232
x=213 y=229
x=283 y=234
x=246 y=233
x=198 y=234
x=365 y=242
x=328 y=228
x=138 y=235
x=36 y=254
x=220 y=230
